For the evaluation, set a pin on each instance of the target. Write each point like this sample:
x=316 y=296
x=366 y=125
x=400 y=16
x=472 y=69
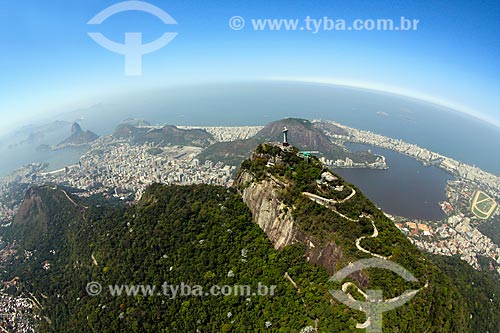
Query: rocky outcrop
x=268 y=211
x=276 y=220
x=78 y=138
x=44 y=215
x=32 y=210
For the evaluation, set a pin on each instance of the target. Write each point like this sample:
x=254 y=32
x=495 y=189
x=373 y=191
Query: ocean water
x=15 y=158
x=17 y=150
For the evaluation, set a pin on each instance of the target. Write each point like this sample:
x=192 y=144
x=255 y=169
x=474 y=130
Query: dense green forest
x=204 y=236
x=193 y=235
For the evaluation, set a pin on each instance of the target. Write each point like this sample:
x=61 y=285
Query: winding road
x=328 y=202
x=397 y=301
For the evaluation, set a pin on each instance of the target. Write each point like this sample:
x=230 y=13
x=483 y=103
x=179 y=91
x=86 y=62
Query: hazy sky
x=49 y=63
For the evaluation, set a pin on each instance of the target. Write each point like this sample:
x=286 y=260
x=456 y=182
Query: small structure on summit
x=285 y=137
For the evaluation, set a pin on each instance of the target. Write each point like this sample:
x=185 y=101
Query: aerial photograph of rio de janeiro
x=250 y=166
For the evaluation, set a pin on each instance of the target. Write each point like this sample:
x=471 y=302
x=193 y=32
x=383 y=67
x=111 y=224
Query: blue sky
x=49 y=64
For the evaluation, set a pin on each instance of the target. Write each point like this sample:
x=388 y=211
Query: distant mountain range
x=136 y=122
x=167 y=135
x=302 y=134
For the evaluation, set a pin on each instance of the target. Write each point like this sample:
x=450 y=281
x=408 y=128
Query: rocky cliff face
x=32 y=210
x=276 y=220
x=268 y=212
x=44 y=215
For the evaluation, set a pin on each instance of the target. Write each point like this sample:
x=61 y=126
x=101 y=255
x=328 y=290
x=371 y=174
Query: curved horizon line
x=391 y=90
x=370 y=86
